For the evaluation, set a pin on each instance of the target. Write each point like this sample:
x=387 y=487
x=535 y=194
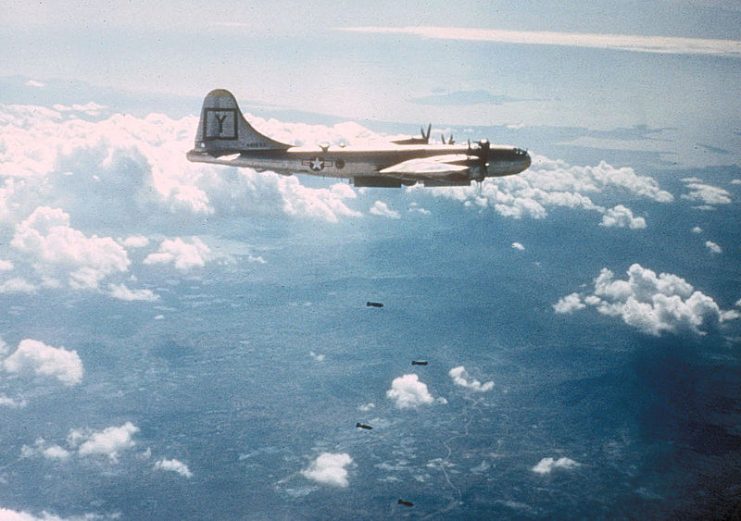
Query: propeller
x=483 y=153
x=450 y=140
x=426 y=135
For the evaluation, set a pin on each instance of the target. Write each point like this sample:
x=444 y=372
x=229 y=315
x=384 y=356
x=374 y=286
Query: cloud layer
x=557 y=184
x=652 y=303
x=621 y=42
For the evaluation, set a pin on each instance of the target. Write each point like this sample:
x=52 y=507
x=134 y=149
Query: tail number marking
x=220 y=124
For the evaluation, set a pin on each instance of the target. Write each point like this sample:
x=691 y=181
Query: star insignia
x=317 y=164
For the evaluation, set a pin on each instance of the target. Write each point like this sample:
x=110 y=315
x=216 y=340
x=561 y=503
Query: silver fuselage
x=351 y=162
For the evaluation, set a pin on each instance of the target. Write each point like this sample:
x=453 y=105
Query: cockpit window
x=520 y=152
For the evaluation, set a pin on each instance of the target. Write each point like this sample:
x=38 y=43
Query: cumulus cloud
x=173 y=465
x=121 y=292
x=135 y=241
x=329 y=469
x=367 y=407
x=408 y=392
x=461 y=378
x=42 y=449
x=622 y=217
x=382 y=209
x=554 y=183
x=547 y=465
x=57 y=250
x=713 y=247
x=705 y=193
x=518 y=246
x=183 y=255
x=319 y=357
x=696 y=229
x=327 y=204
x=109 y=442
x=652 y=303
x=33 y=356
x=569 y=304
x=128 y=169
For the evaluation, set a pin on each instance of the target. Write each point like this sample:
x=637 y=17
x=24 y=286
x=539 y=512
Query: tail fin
x=223 y=129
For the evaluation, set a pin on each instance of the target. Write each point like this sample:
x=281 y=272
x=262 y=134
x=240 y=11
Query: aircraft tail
x=223 y=129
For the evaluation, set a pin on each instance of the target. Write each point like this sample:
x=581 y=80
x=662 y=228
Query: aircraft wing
x=430 y=167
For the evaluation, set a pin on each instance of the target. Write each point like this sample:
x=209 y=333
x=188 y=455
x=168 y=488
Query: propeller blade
x=429 y=130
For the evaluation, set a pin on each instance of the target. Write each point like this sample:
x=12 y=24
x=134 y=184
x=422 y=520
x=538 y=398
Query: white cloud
x=183 y=255
x=173 y=465
x=547 y=465
x=109 y=442
x=652 y=303
x=320 y=203
x=553 y=183
x=124 y=167
x=43 y=449
x=317 y=356
x=11 y=403
x=696 y=229
x=518 y=246
x=707 y=194
x=713 y=247
x=135 y=241
x=415 y=208
x=329 y=469
x=6 y=265
x=408 y=392
x=7 y=514
x=35 y=83
x=366 y=407
x=58 y=250
x=121 y=292
x=622 y=217
x=36 y=357
x=569 y=304
x=460 y=377
x=91 y=108
x=382 y=209
x=17 y=285
x=622 y=42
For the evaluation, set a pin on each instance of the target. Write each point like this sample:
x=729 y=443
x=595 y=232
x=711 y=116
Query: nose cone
x=521 y=160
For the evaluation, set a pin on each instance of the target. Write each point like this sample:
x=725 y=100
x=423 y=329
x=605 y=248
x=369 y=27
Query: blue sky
x=187 y=341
